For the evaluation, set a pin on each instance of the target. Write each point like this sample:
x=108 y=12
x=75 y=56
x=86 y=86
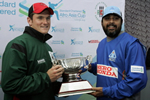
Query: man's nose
x=45 y=21
x=111 y=20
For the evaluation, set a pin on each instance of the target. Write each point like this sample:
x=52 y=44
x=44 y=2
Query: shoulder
x=19 y=40
x=133 y=43
x=127 y=39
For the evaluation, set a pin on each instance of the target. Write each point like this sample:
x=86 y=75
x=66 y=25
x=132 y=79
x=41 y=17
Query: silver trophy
x=72 y=67
x=72 y=84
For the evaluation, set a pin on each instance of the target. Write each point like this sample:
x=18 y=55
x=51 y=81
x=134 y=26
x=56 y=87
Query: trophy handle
x=88 y=60
x=54 y=60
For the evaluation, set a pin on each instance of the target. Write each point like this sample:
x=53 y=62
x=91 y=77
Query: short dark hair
x=31 y=15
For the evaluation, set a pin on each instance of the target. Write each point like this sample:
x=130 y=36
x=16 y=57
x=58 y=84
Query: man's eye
x=40 y=17
x=116 y=18
x=48 y=18
x=107 y=18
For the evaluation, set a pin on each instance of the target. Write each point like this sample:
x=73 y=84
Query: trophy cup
x=72 y=85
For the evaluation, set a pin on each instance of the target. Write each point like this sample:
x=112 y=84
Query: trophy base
x=74 y=88
x=71 y=77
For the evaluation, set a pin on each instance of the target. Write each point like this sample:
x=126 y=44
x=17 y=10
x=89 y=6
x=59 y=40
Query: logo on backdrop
x=78 y=29
x=58 y=42
x=77 y=54
x=74 y=42
x=13 y=28
x=10 y=5
x=59 y=56
x=99 y=8
x=55 y=29
x=55 y=8
x=91 y=29
x=67 y=14
x=93 y=41
x=23 y=8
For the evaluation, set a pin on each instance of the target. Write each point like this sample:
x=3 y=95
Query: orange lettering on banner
x=105 y=70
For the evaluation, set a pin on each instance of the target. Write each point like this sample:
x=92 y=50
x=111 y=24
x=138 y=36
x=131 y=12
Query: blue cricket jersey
x=120 y=67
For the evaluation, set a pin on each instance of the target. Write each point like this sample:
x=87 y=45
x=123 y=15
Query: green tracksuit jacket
x=24 y=65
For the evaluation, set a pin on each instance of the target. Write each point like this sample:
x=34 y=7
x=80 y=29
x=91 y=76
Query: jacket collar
x=36 y=34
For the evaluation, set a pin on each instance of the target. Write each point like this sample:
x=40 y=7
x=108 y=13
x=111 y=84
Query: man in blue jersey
x=120 y=67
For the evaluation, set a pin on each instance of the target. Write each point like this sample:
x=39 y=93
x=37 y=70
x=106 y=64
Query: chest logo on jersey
x=41 y=61
x=108 y=71
x=112 y=56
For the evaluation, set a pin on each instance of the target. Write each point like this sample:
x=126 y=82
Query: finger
x=80 y=71
x=59 y=75
x=93 y=93
x=94 y=88
x=57 y=66
x=58 y=70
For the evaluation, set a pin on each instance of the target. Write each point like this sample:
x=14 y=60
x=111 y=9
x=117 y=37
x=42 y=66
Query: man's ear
x=29 y=20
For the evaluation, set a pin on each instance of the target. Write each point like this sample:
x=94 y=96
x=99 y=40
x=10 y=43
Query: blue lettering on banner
x=12 y=28
x=8 y=4
x=8 y=12
x=76 y=29
x=57 y=42
x=93 y=30
x=73 y=42
x=77 y=15
x=76 y=54
x=54 y=29
x=59 y=56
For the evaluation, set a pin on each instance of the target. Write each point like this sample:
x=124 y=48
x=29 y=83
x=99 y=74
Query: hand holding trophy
x=71 y=84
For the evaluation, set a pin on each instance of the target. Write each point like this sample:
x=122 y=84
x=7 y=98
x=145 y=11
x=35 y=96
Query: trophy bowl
x=72 y=83
x=72 y=67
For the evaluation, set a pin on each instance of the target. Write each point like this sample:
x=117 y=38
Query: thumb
x=94 y=88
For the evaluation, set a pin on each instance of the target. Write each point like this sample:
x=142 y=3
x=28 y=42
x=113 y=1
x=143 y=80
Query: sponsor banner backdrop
x=75 y=27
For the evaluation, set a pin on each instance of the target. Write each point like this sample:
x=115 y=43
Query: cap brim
x=111 y=14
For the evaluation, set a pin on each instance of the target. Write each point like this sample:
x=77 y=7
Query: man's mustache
x=112 y=25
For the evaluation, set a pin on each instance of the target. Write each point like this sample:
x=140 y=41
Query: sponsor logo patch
x=137 y=69
x=108 y=71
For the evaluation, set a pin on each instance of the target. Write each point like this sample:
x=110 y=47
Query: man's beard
x=112 y=34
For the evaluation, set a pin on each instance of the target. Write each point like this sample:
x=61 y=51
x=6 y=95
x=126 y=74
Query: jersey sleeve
x=93 y=68
x=136 y=77
x=15 y=79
